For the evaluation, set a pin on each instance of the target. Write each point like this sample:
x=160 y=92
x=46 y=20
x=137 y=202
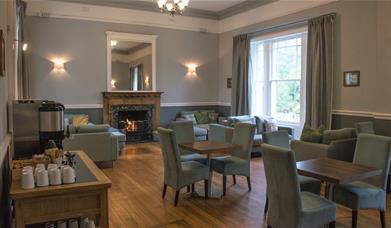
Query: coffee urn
x=51 y=124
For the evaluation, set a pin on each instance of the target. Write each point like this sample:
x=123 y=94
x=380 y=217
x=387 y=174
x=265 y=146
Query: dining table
x=335 y=172
x=210 y=148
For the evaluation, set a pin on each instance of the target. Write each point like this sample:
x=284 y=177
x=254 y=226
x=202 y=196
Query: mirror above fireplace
x=131 y=62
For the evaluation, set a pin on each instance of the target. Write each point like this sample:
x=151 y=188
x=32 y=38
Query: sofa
x=223 y=132
x=337 y=144
x=202 y=119
x=101 y=142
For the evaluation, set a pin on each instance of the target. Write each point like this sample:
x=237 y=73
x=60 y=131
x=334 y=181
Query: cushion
x=360 y=195
x=316 y=210
x=200 y=131
x=202 y=118
x=194 y=157
x=191 y=117
x=93 y=128
x=312 y=135
x=331 y=135
x=79 y=120
x=243 y=119
x=204 y=126
x=213 y=117
x=270 y=125
x=228 y=165
x=121 y=136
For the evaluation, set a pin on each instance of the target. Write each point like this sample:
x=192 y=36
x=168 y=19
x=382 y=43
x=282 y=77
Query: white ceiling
x=211 y=5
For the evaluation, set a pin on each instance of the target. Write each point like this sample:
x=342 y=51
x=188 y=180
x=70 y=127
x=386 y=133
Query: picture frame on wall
x=351 y=78
x=2 y=54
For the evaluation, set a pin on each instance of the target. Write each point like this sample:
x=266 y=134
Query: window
x=277 y=74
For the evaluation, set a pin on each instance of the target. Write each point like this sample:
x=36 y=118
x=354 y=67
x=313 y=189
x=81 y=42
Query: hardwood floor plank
x=137 y=183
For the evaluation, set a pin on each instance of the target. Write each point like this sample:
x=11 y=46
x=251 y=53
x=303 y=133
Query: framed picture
x=2 y=54
x=229 y=83
x=351 y=78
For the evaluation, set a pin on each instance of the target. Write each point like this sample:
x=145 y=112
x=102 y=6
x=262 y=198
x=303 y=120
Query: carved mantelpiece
x=111 y=99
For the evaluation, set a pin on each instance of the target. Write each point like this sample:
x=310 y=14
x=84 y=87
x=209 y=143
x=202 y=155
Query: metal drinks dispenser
x=51 y=123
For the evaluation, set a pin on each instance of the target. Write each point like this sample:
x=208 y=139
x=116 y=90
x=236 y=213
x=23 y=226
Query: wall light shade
x=58 y=64
x=192 y=69
x=25 y=46
x=113 y=43
x=113 y=84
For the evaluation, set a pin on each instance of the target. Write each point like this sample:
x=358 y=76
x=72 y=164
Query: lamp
x=173 y=7
x=191 y=69
x=113 y=43
x=58 y=64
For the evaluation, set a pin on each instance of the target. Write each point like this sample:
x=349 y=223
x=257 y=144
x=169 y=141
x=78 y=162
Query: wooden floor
x=135 y=197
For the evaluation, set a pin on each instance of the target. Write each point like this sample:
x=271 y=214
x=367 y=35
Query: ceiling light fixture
x=173 y=7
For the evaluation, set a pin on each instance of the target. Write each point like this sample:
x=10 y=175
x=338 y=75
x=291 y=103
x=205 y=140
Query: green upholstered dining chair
x=365 y=127
x=238 y=163
x=179 y=174
x=288 y=206
x=373 y=151
x=281 y=139
x=184 y=133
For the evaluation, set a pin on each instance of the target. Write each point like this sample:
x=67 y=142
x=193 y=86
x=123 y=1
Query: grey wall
x=83 y=45
x=362 y=43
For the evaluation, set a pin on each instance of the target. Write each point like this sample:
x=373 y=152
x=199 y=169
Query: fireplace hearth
x=134 y=120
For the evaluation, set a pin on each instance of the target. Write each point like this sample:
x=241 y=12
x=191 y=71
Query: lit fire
x=130 y=125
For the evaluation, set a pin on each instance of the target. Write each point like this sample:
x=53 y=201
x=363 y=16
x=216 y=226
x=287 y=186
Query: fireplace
x=134 y=120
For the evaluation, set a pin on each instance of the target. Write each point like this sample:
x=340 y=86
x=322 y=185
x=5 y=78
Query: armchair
x=337 y=144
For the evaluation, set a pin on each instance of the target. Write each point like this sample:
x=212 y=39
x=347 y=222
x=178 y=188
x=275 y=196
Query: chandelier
x=173 y=7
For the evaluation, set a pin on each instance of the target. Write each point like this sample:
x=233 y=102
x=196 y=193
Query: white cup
x=36 y=170
x=57 y=161
x=84 y=222
x=52 y=166
x=73 y=223
x=54 y=176
x=42 y=178
x=27 y=179
x=40 y=166
x=28 y=168
x=68 y=175
x=91 y=224
x=61 y=224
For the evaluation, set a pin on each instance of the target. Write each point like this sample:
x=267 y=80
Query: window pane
x=285 y=101
x=286 y=62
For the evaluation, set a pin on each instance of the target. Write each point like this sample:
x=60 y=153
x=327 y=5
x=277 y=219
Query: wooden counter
x=52 y=203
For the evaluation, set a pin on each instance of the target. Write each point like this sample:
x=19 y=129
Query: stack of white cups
x=28 y=178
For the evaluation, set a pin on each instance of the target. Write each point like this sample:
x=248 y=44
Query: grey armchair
x=179 y=174
x=373 y=151
x=184 y=133
x=238 y=163
x=281 y=139
x=288 y=206
x=365 y=127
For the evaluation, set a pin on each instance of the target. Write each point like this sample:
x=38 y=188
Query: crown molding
x=375 y=115
x=242 y=7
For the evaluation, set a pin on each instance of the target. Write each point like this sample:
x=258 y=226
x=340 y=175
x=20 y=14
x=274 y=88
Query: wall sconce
x=113 y=43
x=58 y=64
x=25 y=46
x=191 y=69
x=113 y=84
x=146 y=81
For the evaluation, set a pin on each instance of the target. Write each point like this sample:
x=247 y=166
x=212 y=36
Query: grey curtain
x=140 y=80
x=320 y=71
x=23 y=66
x=240 y=104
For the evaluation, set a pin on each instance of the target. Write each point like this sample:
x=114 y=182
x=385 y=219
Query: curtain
x=240 y=78
x=140 y=80
x=23 y=67
x=319 y=76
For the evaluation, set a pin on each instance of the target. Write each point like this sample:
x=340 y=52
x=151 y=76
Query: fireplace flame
x=130 y=125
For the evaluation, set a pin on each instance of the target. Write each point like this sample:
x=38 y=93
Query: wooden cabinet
x=85 y=198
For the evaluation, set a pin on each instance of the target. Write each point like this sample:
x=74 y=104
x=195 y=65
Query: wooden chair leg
x=188 y=188
x=266 y=205
x=164 y=190
x=234 y=178
x=224 y=184
x=206 y=189
x=354 y=219
x=249 y=183
x=383 y=219
x=388 y=183
x=176 y=198
x=192 y=188
x=332 y=224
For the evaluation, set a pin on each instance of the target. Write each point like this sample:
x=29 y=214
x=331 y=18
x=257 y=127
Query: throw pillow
x=202 y=118
x=191 y=117
x=270 y=125
x=80 y=120
x=312 y=135
x=213 y=117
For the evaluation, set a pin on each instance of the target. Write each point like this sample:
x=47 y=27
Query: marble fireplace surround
x=112 y=100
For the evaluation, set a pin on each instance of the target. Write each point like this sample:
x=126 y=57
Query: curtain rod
x=298 y=22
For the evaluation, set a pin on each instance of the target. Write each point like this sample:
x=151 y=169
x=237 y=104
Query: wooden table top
x=208 y=147
x=335 y=171
x=17 y=192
